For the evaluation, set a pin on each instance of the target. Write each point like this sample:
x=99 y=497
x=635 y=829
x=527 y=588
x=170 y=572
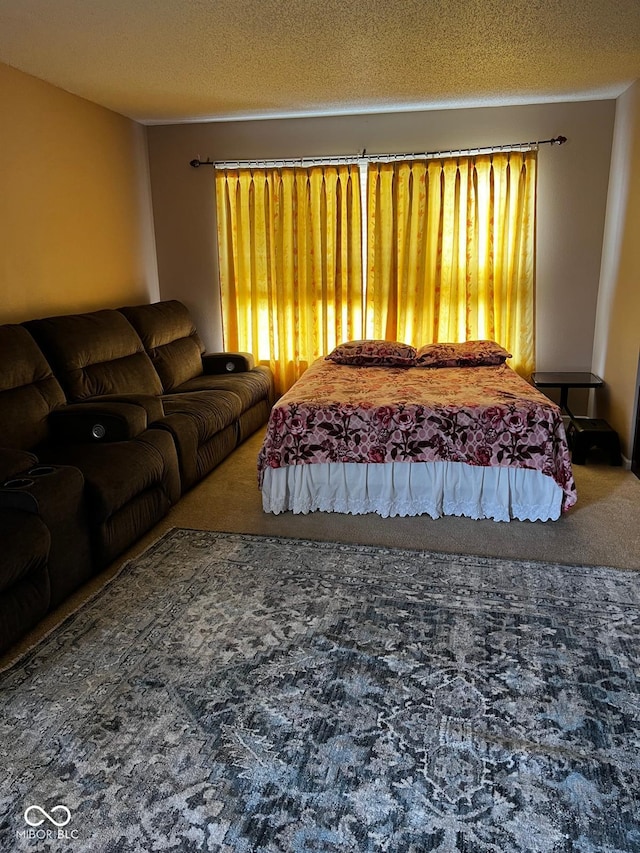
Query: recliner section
x=171 y=340
x=101 y=430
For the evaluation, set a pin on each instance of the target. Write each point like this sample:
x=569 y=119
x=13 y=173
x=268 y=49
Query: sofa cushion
x=177 y=362
x=252 y=387
x=96 y=354
x=28 y=390
x=211 y=412
x=170 y=339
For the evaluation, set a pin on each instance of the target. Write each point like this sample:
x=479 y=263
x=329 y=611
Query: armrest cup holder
x=41 y=471
x=18 y=483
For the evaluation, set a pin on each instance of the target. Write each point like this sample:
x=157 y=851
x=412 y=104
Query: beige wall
x=572 y=192
x=75 y=213
x=617 y=339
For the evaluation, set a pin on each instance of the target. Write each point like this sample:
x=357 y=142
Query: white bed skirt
x=413 y=488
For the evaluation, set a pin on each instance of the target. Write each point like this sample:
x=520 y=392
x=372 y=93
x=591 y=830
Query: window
x=449 y=256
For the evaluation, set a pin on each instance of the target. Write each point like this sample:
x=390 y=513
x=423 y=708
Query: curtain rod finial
x=558 y=140
x=195 y=162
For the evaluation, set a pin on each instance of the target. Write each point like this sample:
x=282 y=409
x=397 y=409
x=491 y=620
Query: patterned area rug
x=243 y=693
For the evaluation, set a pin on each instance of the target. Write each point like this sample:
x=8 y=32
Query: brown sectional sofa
x=106 y=418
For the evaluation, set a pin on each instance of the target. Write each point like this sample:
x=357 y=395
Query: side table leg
x=564 y=399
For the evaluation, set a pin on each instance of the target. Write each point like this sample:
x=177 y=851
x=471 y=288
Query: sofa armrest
x=227 y=362
x=149 y=402
x=83 y=423
x=13 y=461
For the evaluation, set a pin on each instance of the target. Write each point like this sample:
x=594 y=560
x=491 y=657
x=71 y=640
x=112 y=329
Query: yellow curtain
x=451 y=249
x=289 y=243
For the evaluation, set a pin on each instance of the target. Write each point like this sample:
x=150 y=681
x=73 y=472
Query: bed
x=461 y=437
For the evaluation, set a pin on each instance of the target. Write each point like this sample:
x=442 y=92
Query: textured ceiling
x=180 y=60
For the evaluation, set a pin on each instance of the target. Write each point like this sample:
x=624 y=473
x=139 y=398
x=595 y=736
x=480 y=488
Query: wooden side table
x=565 y=381
x=582 y=433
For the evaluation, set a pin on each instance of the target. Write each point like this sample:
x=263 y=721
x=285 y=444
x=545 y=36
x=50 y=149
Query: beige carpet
x=602 y=529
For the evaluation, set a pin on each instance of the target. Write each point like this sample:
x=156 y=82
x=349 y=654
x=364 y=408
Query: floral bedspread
x=475 y=415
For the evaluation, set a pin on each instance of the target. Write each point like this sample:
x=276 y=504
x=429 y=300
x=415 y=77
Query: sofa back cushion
x=95 y=354
x=28 y=390
x=170 y=339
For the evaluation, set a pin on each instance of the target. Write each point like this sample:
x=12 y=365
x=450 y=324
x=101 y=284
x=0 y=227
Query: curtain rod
x=373 y=158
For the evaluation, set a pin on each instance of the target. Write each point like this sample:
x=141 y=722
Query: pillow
x=374 y=354
x=467 y=354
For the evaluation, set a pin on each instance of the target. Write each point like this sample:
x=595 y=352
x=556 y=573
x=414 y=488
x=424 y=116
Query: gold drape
x=289 y=243
x=451 y=249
